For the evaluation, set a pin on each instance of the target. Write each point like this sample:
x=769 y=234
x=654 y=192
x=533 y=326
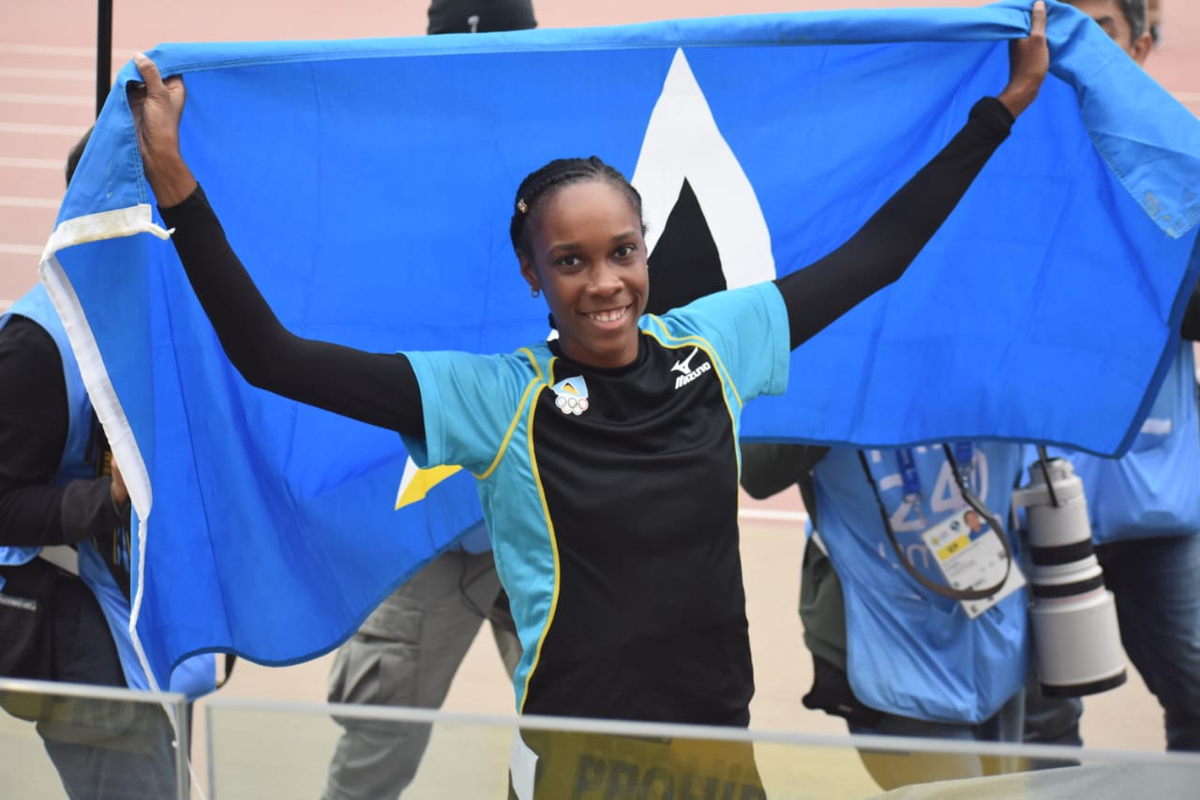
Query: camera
x=1076 y=638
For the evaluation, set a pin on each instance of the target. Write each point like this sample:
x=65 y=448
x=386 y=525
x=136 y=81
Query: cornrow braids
x=549 y=179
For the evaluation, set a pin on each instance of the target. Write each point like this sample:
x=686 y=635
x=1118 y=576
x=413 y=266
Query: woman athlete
x=607 y=459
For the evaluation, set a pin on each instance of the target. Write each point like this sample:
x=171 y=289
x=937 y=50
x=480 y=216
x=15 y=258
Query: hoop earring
x=534 y=292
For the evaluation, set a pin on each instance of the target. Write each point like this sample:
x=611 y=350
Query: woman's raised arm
x=882 y=249
x=377 y=388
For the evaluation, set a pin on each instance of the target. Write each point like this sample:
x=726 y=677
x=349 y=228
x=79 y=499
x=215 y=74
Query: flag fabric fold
x=367 y=186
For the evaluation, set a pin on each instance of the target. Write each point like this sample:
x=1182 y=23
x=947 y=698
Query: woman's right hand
x=157 y=106
x=1029 y=61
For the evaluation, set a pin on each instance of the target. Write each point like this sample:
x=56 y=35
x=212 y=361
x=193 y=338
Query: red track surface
x=47 y=65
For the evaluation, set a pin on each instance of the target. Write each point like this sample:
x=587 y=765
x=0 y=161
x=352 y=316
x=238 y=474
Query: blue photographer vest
x=36 y=306
x=1154 y=489
x=193 y=677
x=910 y=651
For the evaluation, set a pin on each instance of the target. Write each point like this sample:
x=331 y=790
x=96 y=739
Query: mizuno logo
x=685 y=366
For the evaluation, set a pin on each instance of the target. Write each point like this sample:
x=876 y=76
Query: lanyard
x=964 y=452
x=908 y=472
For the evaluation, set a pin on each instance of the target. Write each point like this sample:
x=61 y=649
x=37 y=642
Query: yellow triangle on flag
x=416 y=483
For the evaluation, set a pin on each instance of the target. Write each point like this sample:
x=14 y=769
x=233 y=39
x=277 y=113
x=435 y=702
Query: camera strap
x=911 y=481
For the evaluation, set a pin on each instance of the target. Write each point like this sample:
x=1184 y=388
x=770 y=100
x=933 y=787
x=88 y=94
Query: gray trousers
x=406 y=654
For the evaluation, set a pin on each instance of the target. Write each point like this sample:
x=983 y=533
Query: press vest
x=73 y=465
x=910 y=651
x=1154 y=489
x=195 y=676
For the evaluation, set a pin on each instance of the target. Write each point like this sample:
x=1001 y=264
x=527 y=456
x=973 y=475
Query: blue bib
x=910 y=651
x=36 y=306
x=193 y=677
x=1154 y=489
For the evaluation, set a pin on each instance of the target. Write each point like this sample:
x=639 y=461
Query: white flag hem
x=81 y=230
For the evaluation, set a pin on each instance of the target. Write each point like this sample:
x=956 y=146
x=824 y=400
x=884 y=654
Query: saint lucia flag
x=367 y=185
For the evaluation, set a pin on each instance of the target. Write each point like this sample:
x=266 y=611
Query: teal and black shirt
x=612 y=493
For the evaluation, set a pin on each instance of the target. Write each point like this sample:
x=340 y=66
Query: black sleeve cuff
x=193 y=205
x=994 y=115
x=1190 y=327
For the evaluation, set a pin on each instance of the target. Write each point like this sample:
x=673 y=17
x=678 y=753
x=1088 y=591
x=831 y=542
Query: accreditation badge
x=971 y=555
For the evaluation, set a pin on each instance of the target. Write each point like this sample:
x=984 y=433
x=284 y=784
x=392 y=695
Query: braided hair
x=544 y=182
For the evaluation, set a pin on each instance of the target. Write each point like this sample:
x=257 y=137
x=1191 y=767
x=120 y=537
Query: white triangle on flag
x=682 y=141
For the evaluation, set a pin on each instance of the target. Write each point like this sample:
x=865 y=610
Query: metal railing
x=134 y=743
x=258 y=748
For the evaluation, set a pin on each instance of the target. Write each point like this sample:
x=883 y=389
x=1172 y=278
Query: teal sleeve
x=748 y=328
x=469 y=402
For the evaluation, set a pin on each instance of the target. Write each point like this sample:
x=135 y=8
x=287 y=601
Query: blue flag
x=367 y=186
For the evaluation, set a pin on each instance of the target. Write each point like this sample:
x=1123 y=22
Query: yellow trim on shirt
x=704 y=344
x=532 y=362
x=537 y=480
x=512 y=426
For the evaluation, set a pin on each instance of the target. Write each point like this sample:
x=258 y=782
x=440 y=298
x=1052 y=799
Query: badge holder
x=955 y=552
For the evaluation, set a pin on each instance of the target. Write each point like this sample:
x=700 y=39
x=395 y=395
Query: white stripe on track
x=28 y=202
x=47 y=99
x=47 y=74
x=770 y=515
x=45 y=50
x=20 y=249
x=31 y=163
x=40 y=129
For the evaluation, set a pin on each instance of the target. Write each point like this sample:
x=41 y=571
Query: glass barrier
x=259 y=749
x=61 y=740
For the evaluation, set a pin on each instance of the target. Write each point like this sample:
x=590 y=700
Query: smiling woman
x=577 y=231
x=607 y=459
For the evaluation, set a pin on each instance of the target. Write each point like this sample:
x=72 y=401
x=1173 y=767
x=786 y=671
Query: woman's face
x=588 y=255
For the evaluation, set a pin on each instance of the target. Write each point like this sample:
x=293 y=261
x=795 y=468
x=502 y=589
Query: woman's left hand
x=1028 y=63
x=157 y=106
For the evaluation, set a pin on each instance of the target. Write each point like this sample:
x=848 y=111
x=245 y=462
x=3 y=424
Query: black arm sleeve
x=882 y=249
x=377 y=388
x=768 y=469
x=1190 y=327
x=33 y=432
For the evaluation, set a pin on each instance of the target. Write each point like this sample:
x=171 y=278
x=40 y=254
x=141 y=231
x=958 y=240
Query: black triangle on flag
x=686 y=263
x=697 y=201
